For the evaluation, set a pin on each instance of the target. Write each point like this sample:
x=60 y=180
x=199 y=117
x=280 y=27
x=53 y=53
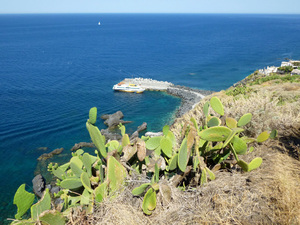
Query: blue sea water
x=54 y=67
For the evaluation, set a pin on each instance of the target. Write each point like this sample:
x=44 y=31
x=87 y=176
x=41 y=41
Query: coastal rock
x=112 y=120
x=190 y=97
x=51 y=154
x=42 y=148
x=110 y=135
x=142 y=127
x=38 y=185
x=81 y=145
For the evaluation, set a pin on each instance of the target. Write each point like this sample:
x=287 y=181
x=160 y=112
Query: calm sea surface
x=54 y=68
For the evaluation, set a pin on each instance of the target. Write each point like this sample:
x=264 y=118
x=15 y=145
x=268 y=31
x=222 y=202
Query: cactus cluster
x=206 y=146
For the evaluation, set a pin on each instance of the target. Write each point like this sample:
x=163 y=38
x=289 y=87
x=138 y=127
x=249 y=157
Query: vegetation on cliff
x=207 y=143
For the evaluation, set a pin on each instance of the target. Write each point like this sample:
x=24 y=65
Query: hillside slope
x=268 y=195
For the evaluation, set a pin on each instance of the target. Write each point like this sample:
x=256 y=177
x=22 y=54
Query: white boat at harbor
x=128 y=87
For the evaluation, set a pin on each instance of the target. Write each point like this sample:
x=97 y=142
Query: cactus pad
x=263 y=137
x=52 y=217
x=42 y=205
x=139 y=190
x=255 y=163
x=213 y=122
x=93 y=115
x=243 y=165
x=183 y=156
x=116 y=174
x=85 y=197
x=246 y=118
x=217 y=105
x=125 y=140
x=215 y=133
x=71 y=183
x=153 y=143
x=205 y=109
x=87 y=162
x=23 y=200
x=173 y=162
x=85 y=180
x=100 y=192
x=231 y=123
x=239 y=145
x=166 y=146
x=97 y=139
x=149 y=202
x=166 y=129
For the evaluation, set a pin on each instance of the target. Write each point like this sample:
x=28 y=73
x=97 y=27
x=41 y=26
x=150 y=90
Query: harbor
x=189 y=96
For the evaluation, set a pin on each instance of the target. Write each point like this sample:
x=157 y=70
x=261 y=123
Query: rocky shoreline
x=189 y=97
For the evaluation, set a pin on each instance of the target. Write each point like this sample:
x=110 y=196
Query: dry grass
x=268 y=195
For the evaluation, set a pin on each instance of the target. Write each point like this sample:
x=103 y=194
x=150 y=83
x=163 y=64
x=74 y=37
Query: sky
x=150 y=6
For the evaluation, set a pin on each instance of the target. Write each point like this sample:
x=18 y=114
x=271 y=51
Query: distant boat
x=122 y=86
x=99 y=23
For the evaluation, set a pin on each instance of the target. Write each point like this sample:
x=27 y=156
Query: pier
x=149 y=84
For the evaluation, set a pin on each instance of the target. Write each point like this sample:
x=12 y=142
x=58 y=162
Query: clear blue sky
x=150 y=6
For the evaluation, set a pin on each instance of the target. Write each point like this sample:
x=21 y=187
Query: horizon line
x=221 y=13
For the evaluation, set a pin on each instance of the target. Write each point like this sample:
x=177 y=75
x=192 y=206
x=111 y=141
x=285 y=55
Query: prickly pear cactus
x=217 y=105
x=245 y=119
x=71 y=183
x=139 y=190
x=219 y=133
x=149 y=202
x=23 y=200
x=97 y=138
x=52 y=217
x=116 y=174
x=93 y=115
x=183 y=156
x=41 y=206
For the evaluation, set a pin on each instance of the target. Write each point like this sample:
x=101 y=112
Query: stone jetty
x=149 y=84
x=190 y=97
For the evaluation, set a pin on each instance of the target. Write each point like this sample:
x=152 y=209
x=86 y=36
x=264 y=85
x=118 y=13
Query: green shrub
x=241 y=89
x=286 y=69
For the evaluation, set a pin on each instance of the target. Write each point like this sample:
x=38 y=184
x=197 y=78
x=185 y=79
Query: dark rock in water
x=112 y=120
x=51 y=154
x=142 y=127
x=42 y=148
x=38 y=185
x=55 y=189
x=110 y=135
x=81 y=145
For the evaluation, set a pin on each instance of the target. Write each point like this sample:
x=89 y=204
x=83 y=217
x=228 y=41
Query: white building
x=295 y=72
x=286 y=64
x=268 y=70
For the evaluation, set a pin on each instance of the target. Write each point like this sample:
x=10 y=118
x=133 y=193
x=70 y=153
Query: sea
x=55 y=67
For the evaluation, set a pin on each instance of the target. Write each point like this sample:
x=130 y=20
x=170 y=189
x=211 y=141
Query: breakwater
x=189 y=96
